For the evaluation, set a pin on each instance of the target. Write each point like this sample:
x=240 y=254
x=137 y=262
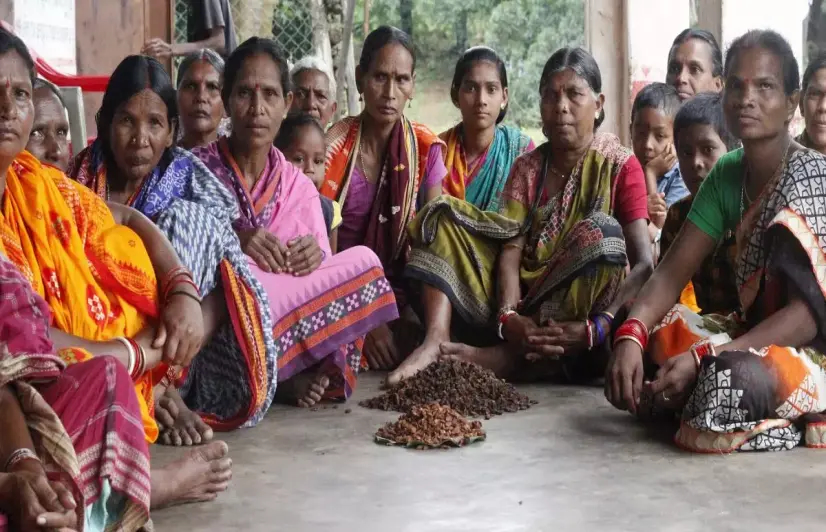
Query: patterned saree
x=482 y=183
x=84 y=419
x=770 y=397
x=95 y=275
x=574 y=259
x=231 y=382
x=394 y=205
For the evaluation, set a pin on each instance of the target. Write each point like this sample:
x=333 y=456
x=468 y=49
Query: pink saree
x=85 y=419
x=320 y=320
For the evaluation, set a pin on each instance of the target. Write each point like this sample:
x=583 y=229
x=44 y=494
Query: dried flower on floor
x=431 y=426
x=467 y=388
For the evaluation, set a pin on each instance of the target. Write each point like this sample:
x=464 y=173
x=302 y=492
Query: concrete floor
x=569 y=463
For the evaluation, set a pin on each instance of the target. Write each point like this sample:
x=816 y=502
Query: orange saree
x=95 y=275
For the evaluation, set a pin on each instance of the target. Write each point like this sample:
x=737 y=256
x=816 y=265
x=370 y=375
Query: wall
x=108 y=31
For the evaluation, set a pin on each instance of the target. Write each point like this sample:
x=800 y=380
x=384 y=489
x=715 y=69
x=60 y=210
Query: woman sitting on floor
x=321 y=304
x=549 y=269
x=99 y=281
x=480 y=150
x=741 y=385
x=381 y=168
x=133 y=161
x=49 y=140
x=199 y=99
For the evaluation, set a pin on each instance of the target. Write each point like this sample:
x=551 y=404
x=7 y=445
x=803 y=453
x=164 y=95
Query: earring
x=361 y=98
x=596 y=115
x=410 y=103
x=502 y=107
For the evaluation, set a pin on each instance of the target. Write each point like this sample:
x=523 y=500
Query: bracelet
x=130 y=365
x=635 y=328
x=504 y=315
x=18 y=456
x=629 y=338
x=589 y=326
x=599 y=336
x=140 y=363
x=182 y=293
x=702 y=350
x=181 y=281
x=607 y=315
x=173 y=273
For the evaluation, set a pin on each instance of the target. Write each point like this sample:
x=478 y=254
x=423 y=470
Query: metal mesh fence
x=288 y=22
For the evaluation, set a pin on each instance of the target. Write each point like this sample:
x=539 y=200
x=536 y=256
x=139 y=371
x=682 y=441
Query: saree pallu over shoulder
x=84 y=419
x=95 y=275
x=231 y=382
x=482 y=187
x=770 y=397
x=574 y=259
x=395 y=203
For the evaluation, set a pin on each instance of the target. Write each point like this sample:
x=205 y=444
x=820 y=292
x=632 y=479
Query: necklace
x=361 y=160
x=744 y=195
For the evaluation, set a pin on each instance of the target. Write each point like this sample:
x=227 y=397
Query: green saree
x=574 y=258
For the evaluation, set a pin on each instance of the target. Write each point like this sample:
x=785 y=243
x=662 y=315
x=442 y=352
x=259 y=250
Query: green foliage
x=524 y=32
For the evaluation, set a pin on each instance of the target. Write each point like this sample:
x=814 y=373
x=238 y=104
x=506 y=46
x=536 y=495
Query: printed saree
x=319 y=320
x=771 y=397
x=398 y=188
x=95 y=275
x=84 y=419
x=574 y=259
x=231 y=382
x=482 y=184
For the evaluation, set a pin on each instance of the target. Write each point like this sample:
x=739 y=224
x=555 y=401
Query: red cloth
x=631 y=200
x=94 y=403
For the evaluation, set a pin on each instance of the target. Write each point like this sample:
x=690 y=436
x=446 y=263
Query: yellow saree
x=95 y=275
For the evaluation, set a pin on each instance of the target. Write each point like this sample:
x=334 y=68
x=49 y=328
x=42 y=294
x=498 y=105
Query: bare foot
x=179 y=425
x=305 y=389
x=423 y=356
x=198 y=476
x=496 y=358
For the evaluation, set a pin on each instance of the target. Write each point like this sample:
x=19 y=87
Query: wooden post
x=345 y=60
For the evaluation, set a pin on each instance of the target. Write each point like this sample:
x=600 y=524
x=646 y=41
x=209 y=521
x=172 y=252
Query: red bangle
x=633 y=328
x=172 y=274
x=702 y=350
x=140 y=360
x=179 y=281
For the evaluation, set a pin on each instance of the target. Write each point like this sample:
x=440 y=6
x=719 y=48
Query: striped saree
x=84 y=419
x=231 y=382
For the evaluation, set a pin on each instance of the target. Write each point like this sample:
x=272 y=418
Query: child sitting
x=652 y=125
x=301 y=140
x=700 y=138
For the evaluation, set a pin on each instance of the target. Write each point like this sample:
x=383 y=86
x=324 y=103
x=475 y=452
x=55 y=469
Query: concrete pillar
x=630 y=40
x=605 y=38
x=710 y=17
